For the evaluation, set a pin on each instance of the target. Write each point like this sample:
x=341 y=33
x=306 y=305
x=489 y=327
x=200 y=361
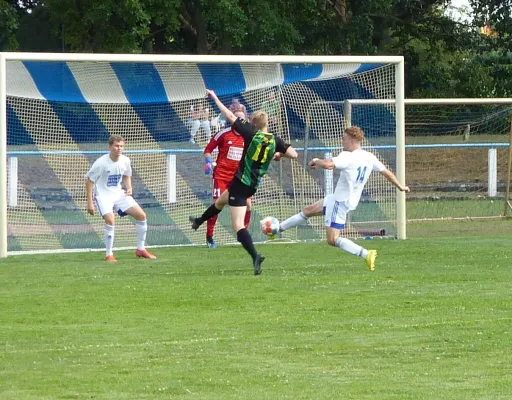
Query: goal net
x=60 y=114
x=457 y=154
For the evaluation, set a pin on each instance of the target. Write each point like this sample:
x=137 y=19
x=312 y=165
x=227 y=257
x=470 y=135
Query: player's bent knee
x=332 y=236
x=109 y=219
x=237 y=227
x=307 y=210
x=136 y=212
x=331 y=241
x=312 y=210
x=220 y=204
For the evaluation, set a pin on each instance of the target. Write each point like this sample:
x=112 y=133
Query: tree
x=36 y=32
x=497 y=14
x=8 y=26
x=110 y=25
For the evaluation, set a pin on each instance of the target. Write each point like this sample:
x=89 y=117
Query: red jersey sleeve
x=212 y=145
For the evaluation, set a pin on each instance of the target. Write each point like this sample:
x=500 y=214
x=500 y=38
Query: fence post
x=467 y=132
x=171 y=178
x=492 y=173
x=12 y=180
x=328 y=176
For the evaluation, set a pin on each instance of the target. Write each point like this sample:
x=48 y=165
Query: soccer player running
x=231 y=146
x=103 y=184
x=355 y=166
x=260 y=147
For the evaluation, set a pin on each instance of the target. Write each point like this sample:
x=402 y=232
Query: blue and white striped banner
x=140 y=83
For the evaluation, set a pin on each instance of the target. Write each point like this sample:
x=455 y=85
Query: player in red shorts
x=231 y=147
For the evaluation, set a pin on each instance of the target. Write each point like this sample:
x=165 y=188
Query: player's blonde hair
x=355 y=133
x=259 y=119
x=114 y=139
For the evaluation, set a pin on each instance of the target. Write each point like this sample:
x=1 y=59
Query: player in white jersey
x=355 y=166
x=103 y=184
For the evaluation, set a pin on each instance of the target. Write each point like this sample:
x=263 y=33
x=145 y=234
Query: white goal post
x=57 y=129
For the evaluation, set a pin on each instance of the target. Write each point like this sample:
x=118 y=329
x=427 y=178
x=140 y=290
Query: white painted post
x=171 y=178
x=347 y=111
x=328 y=176
x=467 y=132
x=13 y=181
x=492 y=175
x=3 y=157
x=400 y=148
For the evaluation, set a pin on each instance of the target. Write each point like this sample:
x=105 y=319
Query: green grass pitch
x=432 y=322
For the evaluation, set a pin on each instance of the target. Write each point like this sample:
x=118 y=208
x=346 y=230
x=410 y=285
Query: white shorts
x=114 y=203
x=335 y=212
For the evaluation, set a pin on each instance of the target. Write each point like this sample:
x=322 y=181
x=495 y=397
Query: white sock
x=350 y=247
x=141 y=228
x=109 y=239
x=293 y=221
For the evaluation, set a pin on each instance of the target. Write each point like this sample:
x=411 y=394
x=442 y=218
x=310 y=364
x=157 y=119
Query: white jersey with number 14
x=355 y=168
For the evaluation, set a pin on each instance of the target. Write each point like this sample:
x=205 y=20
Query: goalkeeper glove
x=208 y=166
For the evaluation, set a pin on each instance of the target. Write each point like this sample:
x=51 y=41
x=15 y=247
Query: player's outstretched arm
x=290 y=153
x=230 y=117
x=390 y=176
x=325 y=164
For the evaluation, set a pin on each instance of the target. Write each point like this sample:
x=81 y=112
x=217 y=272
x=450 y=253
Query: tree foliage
x=444 y=56
x=110 y=25
x=8 y=26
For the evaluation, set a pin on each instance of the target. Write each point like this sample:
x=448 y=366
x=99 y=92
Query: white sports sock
x=141 y=228
x=109 y=239
x=293 y=221
x=350 y=247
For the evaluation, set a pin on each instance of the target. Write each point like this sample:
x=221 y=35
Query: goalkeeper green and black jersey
x=259 y=149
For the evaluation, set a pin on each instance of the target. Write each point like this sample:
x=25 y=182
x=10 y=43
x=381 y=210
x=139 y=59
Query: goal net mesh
x=456 y=157
x=61 y=114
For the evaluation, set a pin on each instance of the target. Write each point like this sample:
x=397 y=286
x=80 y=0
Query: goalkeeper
x=260 y=147
x=231 y=146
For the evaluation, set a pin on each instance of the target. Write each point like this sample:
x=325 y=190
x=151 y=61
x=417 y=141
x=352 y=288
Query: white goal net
x=60 y=114
x=457 y=153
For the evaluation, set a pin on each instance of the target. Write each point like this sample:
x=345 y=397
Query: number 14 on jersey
x=361 y=172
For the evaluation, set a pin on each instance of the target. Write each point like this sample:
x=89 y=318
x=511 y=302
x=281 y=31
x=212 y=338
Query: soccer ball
x=269 y=226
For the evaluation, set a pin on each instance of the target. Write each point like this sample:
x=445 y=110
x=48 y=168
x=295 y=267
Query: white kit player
x=355 y=166
x=103 y=184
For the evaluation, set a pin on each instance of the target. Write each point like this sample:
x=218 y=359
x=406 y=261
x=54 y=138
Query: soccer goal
x=457 y=155
x=57 y=112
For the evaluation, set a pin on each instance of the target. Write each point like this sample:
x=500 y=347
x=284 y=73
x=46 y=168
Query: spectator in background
x=237 y=106
x=271 y=107
x=199 y=118
x=217 y=123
